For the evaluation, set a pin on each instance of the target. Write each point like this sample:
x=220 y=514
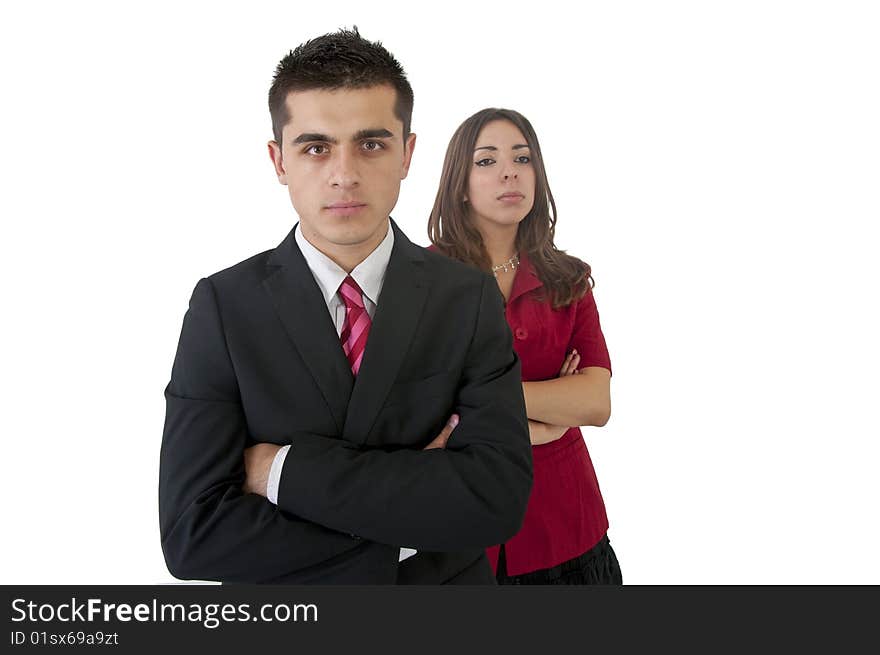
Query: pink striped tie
x=357 y=322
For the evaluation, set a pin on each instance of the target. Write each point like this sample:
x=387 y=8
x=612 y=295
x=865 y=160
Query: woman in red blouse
x=494 y=210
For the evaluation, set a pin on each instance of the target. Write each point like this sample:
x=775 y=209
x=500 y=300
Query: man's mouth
x=346 y=208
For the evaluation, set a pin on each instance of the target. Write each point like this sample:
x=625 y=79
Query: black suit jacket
x=260 y=360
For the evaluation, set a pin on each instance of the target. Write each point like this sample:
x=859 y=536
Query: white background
x=717 y=163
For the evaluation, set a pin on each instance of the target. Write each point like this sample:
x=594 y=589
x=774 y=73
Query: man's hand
x=257 y=463
x=440 y=440
x=259 y=457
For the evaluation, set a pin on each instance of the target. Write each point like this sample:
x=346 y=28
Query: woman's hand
x=570 y=365
x=541 y=433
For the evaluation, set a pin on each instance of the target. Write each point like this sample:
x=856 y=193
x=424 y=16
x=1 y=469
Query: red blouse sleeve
x=587 y=337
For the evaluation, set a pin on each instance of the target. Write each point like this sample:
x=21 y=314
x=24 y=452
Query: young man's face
x=342 y=158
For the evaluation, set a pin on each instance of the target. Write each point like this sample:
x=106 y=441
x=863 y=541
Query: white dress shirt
x=369 y=275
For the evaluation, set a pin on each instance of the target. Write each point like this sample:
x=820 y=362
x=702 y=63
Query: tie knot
x=351 y=293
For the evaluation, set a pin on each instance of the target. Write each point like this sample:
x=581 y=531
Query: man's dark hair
x=341 y=60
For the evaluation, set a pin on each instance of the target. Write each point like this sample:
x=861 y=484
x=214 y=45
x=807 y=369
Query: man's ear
x=408 y=146
x=277 y=162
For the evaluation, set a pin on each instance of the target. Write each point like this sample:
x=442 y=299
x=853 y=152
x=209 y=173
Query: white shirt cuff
x=406 y=552
x=275 y=475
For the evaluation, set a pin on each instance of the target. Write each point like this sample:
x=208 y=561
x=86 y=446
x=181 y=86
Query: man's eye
x=485 y=162
x=373 y=145
x=316 y=149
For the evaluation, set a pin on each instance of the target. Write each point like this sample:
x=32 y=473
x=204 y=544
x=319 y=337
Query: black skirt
x=597 y=566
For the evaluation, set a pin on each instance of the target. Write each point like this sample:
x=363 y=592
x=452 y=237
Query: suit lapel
x=303 y=312
x=397 y=314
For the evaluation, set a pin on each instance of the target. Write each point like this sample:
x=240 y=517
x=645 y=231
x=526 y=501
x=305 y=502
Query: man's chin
x=351 y=235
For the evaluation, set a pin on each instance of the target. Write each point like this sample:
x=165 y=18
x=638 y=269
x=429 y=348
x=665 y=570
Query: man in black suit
x=347 y=407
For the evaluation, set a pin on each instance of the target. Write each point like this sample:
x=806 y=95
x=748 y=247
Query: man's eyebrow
x=377 y=133
x=519 y=146
x=308 y=137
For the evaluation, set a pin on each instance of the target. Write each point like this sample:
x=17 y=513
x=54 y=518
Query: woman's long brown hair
x=452 y=231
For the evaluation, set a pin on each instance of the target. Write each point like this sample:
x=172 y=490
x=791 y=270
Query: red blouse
x=565 y=515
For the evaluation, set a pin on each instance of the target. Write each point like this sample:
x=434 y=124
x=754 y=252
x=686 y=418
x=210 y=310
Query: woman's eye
x=485 y=162
x=523 y=159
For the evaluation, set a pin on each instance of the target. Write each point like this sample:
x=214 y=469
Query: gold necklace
x=509 y=265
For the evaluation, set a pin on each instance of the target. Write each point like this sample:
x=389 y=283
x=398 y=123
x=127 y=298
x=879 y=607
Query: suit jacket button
x=521 y=333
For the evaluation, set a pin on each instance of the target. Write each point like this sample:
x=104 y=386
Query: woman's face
x=501 y=183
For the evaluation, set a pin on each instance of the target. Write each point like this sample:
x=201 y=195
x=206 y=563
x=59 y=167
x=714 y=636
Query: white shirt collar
x=369 y=274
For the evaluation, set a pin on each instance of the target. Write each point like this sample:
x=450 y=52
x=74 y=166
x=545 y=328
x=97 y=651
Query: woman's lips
x=511 y=198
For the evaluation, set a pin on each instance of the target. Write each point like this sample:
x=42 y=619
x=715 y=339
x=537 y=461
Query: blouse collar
x=525 y=280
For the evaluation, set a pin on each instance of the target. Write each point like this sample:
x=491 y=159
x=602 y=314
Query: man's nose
x=344 y=172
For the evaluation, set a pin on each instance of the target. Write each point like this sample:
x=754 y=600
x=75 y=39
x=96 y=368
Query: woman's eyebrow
x=518 y=146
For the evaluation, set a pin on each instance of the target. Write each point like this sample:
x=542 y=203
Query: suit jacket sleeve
x=472 y=494
x=210 y=528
